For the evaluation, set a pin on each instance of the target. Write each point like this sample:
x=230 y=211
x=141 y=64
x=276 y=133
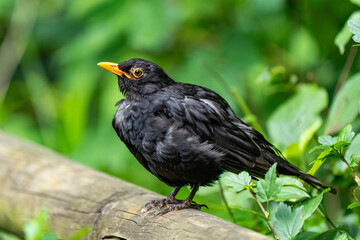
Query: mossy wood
x=33 y=178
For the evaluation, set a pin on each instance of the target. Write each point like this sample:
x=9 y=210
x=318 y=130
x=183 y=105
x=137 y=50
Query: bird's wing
x=208 y=116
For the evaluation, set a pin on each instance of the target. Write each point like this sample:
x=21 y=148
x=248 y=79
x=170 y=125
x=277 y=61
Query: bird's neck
x=141 y=91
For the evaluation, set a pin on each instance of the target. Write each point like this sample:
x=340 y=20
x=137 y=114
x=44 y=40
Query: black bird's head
x=138 y=76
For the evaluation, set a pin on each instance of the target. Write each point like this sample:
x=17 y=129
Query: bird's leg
x=182 y=204
x=162 y=202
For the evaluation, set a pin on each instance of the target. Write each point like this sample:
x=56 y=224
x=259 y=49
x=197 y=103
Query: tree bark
x=33 y=178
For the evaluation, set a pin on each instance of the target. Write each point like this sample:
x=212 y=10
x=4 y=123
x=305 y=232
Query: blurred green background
x=275 y=57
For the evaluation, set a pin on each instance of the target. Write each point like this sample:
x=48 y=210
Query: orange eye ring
x=138 y=73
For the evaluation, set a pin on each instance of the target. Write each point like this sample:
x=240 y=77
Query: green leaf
x=81 y=233
x=291 y=193
x=351 y=155
x=238 y=182
x=328 y=235
x=291 y=181
x=268 y=188
x=354 y=205
x=356 y=2
x=354 y=27
x=299 y=113
x=341 y=144
x=49 y=236
x=344 y=36
x=321 y=147
x=346 y=134
x=326 y=140
x=306 y=236
x=287 y=222
x=38 y=229
x=292 y=189
x=342 y=237
x=31 y=230
x=354 y=160
x=271 y=176
x=310 y=205
x=320 y=160
x=345 y=107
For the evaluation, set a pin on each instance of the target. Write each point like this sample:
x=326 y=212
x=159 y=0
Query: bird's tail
x=289 y=169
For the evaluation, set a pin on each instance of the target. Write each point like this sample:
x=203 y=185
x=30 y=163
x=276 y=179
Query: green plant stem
x=265 y=213
x=357 y=179
x=226 y=203
x=326 y=217
x=16 y=40
x=347 y=67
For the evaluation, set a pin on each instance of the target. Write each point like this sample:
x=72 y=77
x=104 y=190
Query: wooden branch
x=33 y=178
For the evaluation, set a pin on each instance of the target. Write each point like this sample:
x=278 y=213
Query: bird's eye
x=138 y=73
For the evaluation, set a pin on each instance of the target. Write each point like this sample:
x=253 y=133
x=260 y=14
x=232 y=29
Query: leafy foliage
x=286 y=221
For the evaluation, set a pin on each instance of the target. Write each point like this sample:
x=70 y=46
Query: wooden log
x=33 y=178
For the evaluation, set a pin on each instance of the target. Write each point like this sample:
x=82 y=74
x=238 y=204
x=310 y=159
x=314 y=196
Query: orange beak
x=113 y=67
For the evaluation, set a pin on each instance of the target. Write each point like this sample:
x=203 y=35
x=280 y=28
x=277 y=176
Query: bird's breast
x=130 y=119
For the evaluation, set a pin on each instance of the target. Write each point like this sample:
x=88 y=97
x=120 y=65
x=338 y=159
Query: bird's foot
x=159 y=203
x=181 y=205
x=171 y=204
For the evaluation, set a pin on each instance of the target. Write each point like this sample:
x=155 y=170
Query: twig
x=265 y=213
x=226 y=203
x=345 y=71
x=357 y=179
x=325 y=215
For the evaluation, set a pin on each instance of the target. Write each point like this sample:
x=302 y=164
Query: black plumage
x=185 y=134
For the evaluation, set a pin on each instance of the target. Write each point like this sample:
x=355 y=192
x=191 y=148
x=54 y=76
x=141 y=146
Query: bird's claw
x=168 y=205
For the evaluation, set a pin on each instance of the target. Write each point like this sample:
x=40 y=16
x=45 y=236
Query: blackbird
x=186 y=134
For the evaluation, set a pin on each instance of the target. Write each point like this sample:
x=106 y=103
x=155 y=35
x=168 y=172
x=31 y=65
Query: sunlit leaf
x=346 y=134
x=357 y=2
x=326 y=140
x=238 y=182
x=38 y=228
x=354 y=205
x=344 y=36
x=319 y=161
x=342 y=237
x=354 y=28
